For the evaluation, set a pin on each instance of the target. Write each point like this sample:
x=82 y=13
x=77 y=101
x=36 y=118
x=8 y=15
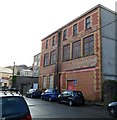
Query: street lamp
x=13 y=74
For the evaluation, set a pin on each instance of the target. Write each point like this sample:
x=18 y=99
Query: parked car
x=112 y=108
x=50 y=94
x=13 y=107
x=71 y=97
x=34 y=93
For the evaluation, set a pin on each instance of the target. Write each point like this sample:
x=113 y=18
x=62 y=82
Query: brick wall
x=88 y=81
x=85 y=83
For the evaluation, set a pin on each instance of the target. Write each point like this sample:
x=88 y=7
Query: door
x=71 y=84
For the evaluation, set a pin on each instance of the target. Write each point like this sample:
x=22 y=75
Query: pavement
x=95 y=103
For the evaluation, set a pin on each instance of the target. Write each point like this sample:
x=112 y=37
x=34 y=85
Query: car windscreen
x=13 y=106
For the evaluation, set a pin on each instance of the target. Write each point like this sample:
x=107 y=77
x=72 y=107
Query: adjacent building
x=5 y=77
x=36 y=65
x=26 y=72
x=81 y=54
x=18 y=68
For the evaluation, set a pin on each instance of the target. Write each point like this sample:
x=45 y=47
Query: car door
x=45 y=95
x=68 y=96
x=49 y=94
x=64 y=96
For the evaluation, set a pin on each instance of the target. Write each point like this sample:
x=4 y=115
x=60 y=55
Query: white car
x=13 y=107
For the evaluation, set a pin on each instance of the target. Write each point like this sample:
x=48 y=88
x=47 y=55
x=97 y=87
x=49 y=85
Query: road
x=46 y=109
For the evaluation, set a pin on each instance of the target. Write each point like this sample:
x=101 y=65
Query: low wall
x=24 y=83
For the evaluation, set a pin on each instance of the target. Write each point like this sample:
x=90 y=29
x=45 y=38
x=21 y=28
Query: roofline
x=37 y=54
x=6 y=72
x=90 y=10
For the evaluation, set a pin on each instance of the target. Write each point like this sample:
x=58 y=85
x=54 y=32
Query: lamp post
x=13 y=74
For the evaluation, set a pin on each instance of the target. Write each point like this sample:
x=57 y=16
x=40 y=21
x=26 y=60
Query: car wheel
x=41 y=98
x=112 y=111
x=70 y=103
x=59 y=101
x=50 y=99
x=81 y=102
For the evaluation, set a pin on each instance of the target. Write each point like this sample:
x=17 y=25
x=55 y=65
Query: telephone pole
x=13 y=74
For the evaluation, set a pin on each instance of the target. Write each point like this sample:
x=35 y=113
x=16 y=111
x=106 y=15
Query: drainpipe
x=58 y=59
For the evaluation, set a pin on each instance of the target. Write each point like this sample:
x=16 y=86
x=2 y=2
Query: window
x=5 y=84
x=89 y=45
x=65 y=34
x=51 y=81
x=88 y=22
x=53 y=57
x=13 y=107
x=65 y=93
x=75 y=29
x=35 y=63
x=53 y=41
x=46 y=59
x=44 y=81
x=76 y=49
x=47 y=44
x=66 y=52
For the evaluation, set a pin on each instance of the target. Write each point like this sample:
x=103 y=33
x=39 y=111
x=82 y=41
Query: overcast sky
x=23 y=23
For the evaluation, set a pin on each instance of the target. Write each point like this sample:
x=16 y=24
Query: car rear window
x=77 y=93
x=13 y=106
x=48 y=91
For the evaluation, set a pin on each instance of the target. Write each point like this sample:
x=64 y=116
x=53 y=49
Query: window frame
x=51 y=82
x=88 y=22
x=44 y=84
x=87 y=50
x=75 y=47
x=47 y=42
x=75 y=29
x=45 y=57
x=65 y=34
x=53 y=57
x=53 y=41
x=65 y=52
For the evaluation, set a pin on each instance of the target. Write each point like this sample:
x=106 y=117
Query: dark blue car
x=50 y=94
x=112 y=107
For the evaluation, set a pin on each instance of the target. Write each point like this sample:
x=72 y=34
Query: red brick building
x=71 y=57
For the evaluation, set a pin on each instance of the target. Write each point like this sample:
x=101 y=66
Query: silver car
x=13 y=107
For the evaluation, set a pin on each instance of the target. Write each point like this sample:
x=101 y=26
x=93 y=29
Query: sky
x=23 y=23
